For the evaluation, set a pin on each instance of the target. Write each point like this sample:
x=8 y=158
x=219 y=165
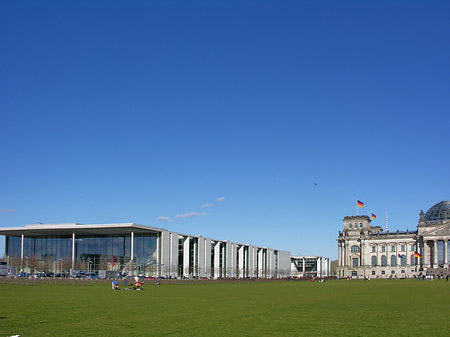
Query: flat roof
x=78 y=229
x=67 y=229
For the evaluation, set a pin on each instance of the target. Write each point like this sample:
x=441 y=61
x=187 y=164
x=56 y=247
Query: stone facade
x=367 y=251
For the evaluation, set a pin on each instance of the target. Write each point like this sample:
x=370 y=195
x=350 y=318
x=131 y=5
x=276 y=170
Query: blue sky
x=289 y=111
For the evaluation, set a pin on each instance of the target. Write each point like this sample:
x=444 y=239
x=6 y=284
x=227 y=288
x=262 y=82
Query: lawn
x=295 y=308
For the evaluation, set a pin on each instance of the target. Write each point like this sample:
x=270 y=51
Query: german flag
x=359 y=203
x=374 y=216
x=416 y=254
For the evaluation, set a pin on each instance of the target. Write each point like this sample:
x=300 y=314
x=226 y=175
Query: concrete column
x=339 y=253
x=21 y=250
x=208 y=271
x=425 y=254
x=217 y=271
x=186 y=256
x=164 y=259
x=421 y=251
x=132 y=246
x=173 y=262
x=346 y=262
x=304 y=266
x=241 y=261
x=73 y=250
x=446 y=253
x=435 y=251
x=158 y=257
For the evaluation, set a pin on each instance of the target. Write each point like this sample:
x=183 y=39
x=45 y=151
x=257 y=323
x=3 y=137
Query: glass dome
x=438 y=212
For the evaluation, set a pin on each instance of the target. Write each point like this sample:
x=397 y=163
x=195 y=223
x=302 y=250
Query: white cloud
x=206 y=205
x=220 y=199
x=8 y=210
x=163 y=218
x=189 y=215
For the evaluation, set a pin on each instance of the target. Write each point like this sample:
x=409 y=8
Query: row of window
x=393 y=248
x=59 y=248
x=413 y=261
x=357 y=249
x=355 y=225
x=355 y=273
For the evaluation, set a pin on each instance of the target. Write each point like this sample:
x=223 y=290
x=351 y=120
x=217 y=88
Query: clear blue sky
x=115 y=111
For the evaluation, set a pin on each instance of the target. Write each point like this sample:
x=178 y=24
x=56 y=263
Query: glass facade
x=133 y=249
x=101 y=252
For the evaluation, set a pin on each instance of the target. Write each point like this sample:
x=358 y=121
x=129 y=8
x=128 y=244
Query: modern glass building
x=137 y=250
x=310 y=266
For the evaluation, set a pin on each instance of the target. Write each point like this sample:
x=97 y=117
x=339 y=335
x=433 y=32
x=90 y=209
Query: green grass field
x=333 y=308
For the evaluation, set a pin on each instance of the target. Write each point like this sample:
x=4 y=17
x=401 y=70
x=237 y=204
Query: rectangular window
x=403 y=248
x=355 y=262
x=374 y=249
x=392 y=248
x=383 y=248
x=373 y=272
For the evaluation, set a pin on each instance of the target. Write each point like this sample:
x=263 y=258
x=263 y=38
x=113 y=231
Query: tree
x=34 y=263
x=334 y=267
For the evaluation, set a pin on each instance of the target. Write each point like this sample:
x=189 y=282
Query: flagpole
x=386 y=222
x=357 y=207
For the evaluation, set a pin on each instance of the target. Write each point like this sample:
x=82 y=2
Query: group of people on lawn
x=136 y=284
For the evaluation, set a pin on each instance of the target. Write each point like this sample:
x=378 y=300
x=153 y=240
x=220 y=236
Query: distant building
x=367 y=251
x=138 y=250
x=310 y=266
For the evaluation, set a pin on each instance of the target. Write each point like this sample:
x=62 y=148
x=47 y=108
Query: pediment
x=443 y=230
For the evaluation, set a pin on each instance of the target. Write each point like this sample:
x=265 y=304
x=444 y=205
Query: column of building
x=339 y=254
x=202 y=256
x=73 y=250
x=445 y=252
x=186 y=256
x=217 y=271
x=435 y=253
x=241 y=253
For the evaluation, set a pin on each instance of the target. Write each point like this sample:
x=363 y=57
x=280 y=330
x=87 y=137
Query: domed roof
x=438 y=212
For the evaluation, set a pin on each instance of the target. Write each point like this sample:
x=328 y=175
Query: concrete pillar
x=172 y=267
x=241 y=261
x=208 y=271
x=165 y=252
x=304 y=266
x=158 y=256
x=339 y=253
x=435 y=251
x=217 y=271
x=406 y=252
x=201 y=257
x=361 y=254
x=425 y=254
x=186 y=256
x=132 y=246
x=73 y=250
x=446 y=253
x=21 y=253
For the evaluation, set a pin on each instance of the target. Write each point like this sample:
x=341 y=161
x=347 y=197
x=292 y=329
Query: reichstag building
x=368 y=251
